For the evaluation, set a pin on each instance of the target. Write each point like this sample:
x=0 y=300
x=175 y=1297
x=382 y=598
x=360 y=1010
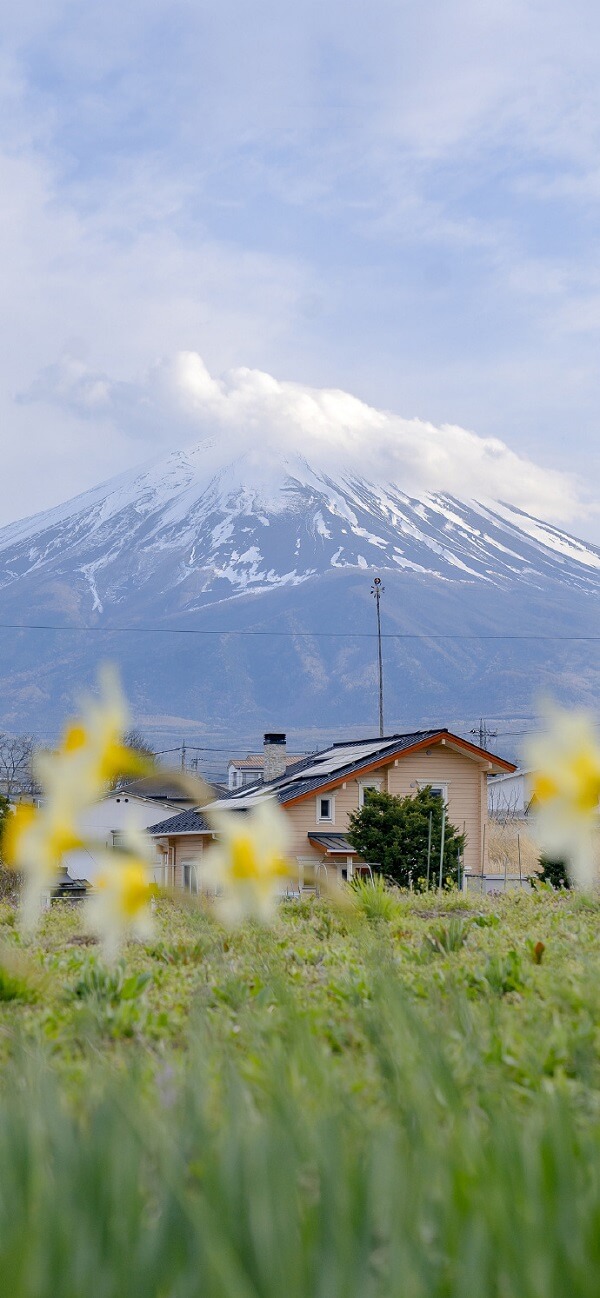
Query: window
x=190 y=877
x=439 y=790
x=326 y=809
x=367 y=784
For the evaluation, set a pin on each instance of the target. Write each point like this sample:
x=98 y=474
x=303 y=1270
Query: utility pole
x=377 y=590
x=484 y=734
x=183 y=756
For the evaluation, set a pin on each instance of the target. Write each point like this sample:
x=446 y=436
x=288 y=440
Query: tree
x=135 y=739
x=16 y=752
x=554 y=872
x=394 y=832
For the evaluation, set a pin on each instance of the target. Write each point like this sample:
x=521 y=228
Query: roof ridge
x=386 y=739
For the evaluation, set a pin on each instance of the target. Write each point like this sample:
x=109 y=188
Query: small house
x=319 y=792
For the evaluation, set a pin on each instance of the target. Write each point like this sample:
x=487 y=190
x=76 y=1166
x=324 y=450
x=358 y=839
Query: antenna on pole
x=377 y=590
x=484 y=733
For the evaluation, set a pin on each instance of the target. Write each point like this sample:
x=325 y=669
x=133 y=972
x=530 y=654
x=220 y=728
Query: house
x=273 y=761
x=318 y=794
x=105 y=822
x=162 y=787
x=509 y=795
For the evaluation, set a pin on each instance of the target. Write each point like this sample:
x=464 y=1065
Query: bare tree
x=16 y=752
x=136 y=739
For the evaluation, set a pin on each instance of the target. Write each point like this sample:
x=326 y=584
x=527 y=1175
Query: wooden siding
x=182 y=848
x=467 y=798
x=467 y=806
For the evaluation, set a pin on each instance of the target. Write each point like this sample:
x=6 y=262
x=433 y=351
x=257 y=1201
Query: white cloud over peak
x=338 y=431
x=249 y=411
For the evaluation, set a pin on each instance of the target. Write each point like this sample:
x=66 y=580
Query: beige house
x=319 y=793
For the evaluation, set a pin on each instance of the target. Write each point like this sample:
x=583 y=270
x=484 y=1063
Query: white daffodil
x=566 y=791
x=34 y=843
x=248 y=863
x=92 y=752
x=120 y=906
x=72 y=779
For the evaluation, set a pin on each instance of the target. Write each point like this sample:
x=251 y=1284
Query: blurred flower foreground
x=244 y=871
x=565 y=759
x=250 y=859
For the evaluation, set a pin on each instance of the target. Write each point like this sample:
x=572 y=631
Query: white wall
x=108 y=818
x=509 y=795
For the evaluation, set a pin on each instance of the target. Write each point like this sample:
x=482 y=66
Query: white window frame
x=442 y=785
x=190 y=864
x=375 y=783
x=325 y=820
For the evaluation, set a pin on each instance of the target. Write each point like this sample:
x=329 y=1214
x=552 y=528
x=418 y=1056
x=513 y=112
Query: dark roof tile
x=185 y=822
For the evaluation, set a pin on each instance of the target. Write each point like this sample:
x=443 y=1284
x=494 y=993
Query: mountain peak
x=282 y=553
x=197 y=526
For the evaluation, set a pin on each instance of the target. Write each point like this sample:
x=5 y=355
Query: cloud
x=337 y=430
x=399 y=200
x=249 y=412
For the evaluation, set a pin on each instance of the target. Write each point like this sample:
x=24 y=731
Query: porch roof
x=334 y=844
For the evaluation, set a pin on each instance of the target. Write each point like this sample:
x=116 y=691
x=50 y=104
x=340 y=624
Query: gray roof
x=332 y=764
x=333 y=843
x=161 y=787
x=326 y=768
x=184 y=822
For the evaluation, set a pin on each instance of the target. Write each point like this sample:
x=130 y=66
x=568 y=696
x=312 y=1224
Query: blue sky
x=398 y=200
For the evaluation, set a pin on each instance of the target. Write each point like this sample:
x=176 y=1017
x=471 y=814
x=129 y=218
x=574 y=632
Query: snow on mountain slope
x=269 y=560
x=186 y=532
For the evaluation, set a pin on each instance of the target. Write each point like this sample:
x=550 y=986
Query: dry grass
x=505 y=842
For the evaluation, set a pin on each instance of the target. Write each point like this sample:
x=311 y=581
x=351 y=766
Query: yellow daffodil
x=247 y=865
x=92 y=752
x=566 y=792
x=34 y=843
x=72 y=779
x=121 y=904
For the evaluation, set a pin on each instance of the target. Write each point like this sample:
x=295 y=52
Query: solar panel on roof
x=334 y=760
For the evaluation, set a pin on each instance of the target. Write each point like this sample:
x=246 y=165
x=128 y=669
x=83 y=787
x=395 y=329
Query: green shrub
x=504 y=973
x=394 y=832
x=374 y=898
x=110 y=985
x=554 y=872
x=445 y=938
x=15 y=987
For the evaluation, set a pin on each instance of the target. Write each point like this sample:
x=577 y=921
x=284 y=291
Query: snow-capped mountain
x=195 y=542
x=192 y=536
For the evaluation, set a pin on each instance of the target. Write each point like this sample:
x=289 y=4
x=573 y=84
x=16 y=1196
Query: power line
x=200 y=748
x=484 y=733
x=311 y=635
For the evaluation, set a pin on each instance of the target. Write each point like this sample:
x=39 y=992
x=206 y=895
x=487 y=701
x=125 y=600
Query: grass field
x=401 y=1100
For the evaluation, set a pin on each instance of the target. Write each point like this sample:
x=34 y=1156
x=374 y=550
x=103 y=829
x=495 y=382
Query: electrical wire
x=312 y=635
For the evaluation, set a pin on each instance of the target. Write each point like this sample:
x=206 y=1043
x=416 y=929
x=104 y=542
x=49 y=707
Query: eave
x=443 y=739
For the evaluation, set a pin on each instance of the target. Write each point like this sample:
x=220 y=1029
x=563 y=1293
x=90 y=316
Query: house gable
x=399 y=764
x=441 y=738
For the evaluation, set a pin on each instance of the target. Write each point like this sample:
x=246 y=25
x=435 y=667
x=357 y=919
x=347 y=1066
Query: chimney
x=275 y=752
